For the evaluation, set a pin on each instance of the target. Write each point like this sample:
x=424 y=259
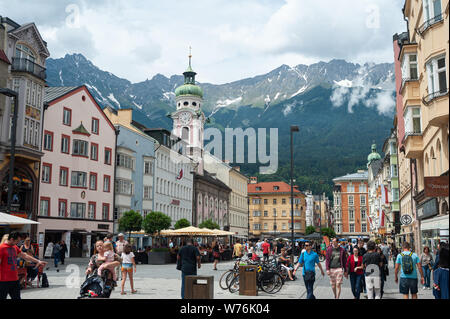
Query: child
x=128 y=264
x=108 y=258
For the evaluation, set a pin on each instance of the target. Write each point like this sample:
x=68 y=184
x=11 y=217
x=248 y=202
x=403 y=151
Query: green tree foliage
x=155 y=222
x=182 y=223
x=130 y=221
x=208 y=223
x=309 y=230
x=329 y=232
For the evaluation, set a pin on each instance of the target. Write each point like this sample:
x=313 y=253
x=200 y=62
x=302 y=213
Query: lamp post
x=293 y=129
x=14 y=94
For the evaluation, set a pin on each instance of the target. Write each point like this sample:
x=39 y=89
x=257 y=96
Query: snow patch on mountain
x=112 y=98
x=226 y=102
x=60 y=78
x=344 y=83
x=137 y=105
x=301 y=90
x=168 y=95
x=276 y=95
x=96 y=90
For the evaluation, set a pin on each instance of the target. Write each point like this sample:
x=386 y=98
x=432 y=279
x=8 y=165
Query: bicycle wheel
x=273 y=285
x=230 y=277
x=234 y=285
x=223 y=283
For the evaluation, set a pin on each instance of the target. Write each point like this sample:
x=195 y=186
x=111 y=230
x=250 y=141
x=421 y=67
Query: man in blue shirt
x=308 y=259
x=406 y=263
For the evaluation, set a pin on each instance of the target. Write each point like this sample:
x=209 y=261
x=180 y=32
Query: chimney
x=253 y=180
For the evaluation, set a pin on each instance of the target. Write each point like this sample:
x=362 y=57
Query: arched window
x=439 y=154
x=427 y=165
x=185 y=133
x=433 y=162
x=24 y=52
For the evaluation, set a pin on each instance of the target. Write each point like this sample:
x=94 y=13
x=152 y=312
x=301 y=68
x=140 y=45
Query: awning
x=8 y=219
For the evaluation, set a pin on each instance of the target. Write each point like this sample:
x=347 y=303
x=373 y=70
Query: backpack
x=407 y=263
x=44 y=281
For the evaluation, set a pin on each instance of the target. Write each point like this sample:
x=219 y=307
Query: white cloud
x=231 y=39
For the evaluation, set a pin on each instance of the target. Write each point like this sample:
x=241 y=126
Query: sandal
x=123 y=293
x=134 y=291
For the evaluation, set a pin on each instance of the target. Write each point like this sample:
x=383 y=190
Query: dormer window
x=258 y=188
x=194 y=103
x=186 y=103
x=275 y=188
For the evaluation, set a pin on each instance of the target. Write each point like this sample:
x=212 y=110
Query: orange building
x=350 y=214
x=270 y=210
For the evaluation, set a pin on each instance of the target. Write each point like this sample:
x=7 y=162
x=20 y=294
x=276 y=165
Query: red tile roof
x=3 y=56
x=268 y=187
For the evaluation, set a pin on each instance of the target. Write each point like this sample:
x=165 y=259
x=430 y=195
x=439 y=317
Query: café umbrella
x=187 y=231
x=8 y=219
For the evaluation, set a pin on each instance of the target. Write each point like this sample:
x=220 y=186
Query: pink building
x=77 y=171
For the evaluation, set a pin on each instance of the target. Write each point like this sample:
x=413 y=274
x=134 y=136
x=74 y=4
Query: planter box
x=159 y=258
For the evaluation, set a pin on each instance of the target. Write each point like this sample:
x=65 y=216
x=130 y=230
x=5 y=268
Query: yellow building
x=270 y=210
x=424 y=57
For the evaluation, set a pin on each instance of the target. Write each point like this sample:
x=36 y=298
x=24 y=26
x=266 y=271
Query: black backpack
x=44 y=281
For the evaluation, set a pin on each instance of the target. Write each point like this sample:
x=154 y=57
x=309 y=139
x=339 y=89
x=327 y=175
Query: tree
x=182 y=223
x=208 y=223
x=130 y=221
x=155 y=222
x=329 y=232
x=310 y=229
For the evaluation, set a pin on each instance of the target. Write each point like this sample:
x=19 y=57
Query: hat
x=120 y=235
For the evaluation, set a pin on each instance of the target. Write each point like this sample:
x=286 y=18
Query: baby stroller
x=96 y=286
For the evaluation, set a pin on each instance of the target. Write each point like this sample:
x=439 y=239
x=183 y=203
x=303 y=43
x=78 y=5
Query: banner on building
x=436 y=186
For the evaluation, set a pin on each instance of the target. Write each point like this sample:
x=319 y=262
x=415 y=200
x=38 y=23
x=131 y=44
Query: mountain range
x=340 y=107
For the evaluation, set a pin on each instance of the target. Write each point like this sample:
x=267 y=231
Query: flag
x=180 y=175
x=381 y=217
x=384 y=197
x=370 y=221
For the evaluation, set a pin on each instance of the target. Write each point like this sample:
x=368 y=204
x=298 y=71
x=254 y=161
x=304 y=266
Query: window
x=284 y=226
x=48 y=141
x=105 y=211
x=283 y=201
x=47 y=173
x=80 y=148
x=412 y=120
x=274 y=212
x=63 y=176
x=77 y=210
x=274 y=201
x=437 y=79
x=362 y=200
x=67 y=116
x=363 y=214
x=432 y=12
x=275 y=188
x=363 y=228
x=256 y=213
x=93 y=181
x=265 y=201
x=256 y=201
x=362 y=188
x=297 y=226
x=124 y=187
x=297 y=213
x=25 y=130
x=94 y=127
x=395 y=195
x=256 y=226
x=107 y=156
x=409 y=67
x=350 y=200
x=106 y=183
x=125 y=161
x=94 y=151
x=91 y=210
x=283 y=213
x=265 y=226
x=62 y=208
x=394 y=171
x=36 y=135
x=148 y=192
x=45 y=207
x=351 y=214
x=352 y=228
x=78 y=179
x=148 y=168
x=65 y=144
x=350 y=188
x=258 y=188
x=266 y=213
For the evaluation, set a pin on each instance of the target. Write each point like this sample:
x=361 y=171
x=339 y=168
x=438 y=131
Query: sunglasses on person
x=307 y=245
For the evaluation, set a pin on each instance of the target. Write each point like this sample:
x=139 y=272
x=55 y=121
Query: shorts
x=127 y=267
x=408 y=286
x=336 y=276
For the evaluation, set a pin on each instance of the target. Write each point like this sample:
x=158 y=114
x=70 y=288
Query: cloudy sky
x=230 y=39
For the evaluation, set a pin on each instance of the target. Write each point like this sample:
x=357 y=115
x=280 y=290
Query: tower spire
x=190 y=55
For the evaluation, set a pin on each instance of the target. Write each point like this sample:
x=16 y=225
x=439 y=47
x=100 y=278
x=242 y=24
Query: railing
x=404 y=80
x=428 y=24
x=407 y=134
x=430 y=97
x=25 y=65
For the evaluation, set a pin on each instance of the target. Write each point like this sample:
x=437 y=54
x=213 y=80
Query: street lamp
x=294 y=128
x=14 y=94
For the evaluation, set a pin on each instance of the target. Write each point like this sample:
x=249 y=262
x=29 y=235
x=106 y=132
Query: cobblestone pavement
x=164 y=282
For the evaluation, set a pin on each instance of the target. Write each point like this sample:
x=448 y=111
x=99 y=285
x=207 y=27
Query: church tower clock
x=188 y=119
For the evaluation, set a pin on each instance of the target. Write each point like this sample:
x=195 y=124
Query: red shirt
x=265 y=247
x=8 y=262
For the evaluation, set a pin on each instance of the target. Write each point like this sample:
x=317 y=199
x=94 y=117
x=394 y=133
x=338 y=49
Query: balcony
x=428 y=24
x=413 y=145
x=25 y=65
x=437 y=108
x=410 y=92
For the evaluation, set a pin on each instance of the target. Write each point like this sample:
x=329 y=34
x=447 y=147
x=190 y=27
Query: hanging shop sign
x=405 y=220
x=428 y=209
